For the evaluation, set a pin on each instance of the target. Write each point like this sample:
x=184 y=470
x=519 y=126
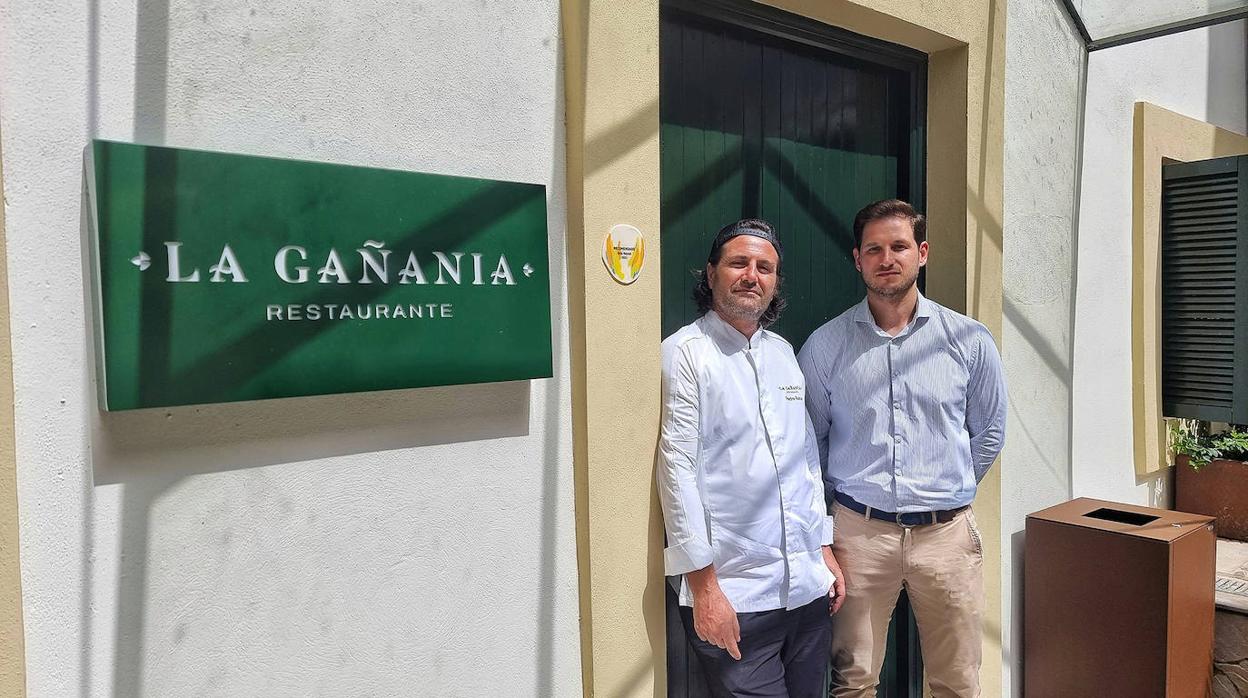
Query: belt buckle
x=903 y=524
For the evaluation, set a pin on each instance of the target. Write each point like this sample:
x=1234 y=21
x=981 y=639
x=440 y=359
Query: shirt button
x=897 y=405
x=897 y=439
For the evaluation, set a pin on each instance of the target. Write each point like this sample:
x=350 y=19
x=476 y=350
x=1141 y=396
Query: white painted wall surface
x=417 y=542
x=1198 y=73
x=1043 y=81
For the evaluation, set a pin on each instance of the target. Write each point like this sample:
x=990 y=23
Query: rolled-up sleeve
x=818 y=407
x=816 y=473
x=688 y=546
x=985 y=405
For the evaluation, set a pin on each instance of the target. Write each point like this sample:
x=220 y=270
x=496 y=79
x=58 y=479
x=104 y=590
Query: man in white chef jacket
x=749 y=541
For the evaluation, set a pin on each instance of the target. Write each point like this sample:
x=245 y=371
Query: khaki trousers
x=941 y=568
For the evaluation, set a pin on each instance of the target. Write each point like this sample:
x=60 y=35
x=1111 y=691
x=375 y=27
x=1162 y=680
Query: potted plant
x=1211 y=475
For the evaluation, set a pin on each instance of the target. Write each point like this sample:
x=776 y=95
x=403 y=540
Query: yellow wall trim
x=611 y=83
x=1160 y=134
x=12 y=639
x=611 y=71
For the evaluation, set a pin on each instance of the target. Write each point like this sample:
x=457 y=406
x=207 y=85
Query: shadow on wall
x=132 y=445
x=544 y=630
x=150 y=451
x=1018 y=549
x=1226 y=101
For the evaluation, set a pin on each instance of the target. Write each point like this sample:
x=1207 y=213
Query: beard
x=738 y=308
x=900 y=288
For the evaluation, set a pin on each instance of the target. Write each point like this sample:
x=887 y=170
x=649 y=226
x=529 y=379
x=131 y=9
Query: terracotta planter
x=1219 y=489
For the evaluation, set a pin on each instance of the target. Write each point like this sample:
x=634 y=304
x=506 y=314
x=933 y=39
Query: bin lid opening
x=1126 y=517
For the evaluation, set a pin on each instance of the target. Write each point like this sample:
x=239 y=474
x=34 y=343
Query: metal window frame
x=1090 y=44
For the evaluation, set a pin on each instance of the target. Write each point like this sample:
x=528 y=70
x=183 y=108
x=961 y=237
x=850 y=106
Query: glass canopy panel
x=1106 y=18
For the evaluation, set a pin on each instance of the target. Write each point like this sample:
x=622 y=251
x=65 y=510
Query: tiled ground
x=1230 y=637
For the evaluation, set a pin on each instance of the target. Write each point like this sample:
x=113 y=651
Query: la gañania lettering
x=290 y=264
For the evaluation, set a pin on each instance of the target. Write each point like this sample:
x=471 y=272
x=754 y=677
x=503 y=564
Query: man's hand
x=714 y=618
x=837 y=592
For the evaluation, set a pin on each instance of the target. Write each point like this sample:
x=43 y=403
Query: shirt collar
x=727 y=335
x=923 y=309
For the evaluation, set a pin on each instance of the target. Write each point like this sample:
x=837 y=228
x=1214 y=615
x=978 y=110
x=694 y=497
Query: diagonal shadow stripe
x=684 y=200
x=155 y=305
x=804 y=195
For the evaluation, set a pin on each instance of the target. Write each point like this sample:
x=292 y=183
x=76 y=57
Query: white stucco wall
x=1198 y=73
x=1067 y=258
x=1044 y=72
x=416 y=542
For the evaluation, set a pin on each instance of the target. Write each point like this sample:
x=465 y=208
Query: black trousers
x=784 y=654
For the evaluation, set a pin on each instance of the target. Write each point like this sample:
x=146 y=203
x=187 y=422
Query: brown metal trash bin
x=1118 y=601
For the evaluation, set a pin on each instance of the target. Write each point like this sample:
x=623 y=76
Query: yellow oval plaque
x=624 y=253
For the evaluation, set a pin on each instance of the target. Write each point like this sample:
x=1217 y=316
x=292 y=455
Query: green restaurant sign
x=223 y=277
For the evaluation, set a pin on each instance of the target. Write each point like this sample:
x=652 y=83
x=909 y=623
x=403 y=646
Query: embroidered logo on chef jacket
x=793 y=393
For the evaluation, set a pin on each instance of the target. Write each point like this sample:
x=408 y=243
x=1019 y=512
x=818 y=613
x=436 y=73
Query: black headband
x=748 y=226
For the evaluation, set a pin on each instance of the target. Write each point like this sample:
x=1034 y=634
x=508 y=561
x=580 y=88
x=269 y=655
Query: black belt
x=909 y=518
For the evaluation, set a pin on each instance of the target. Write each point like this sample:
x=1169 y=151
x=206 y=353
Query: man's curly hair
x=702 y=289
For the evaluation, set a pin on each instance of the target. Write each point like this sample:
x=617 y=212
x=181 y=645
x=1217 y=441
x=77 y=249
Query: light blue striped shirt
x=906 y=423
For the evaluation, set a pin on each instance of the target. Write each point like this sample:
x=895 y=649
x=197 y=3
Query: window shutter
x=1204 y=290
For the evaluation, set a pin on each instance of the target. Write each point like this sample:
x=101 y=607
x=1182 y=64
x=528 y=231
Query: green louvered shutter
x=1204 y=296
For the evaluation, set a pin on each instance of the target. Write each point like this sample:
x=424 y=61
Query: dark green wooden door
x=766 y=114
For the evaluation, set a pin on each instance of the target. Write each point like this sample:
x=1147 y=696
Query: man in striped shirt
x=908 y=403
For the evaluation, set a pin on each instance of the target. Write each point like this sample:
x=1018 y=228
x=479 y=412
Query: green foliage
x=1191 y=438
x=1232 y=444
